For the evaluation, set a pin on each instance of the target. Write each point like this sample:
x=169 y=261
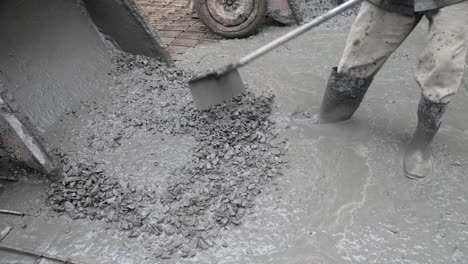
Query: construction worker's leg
x=374 y=36
x=439 y=74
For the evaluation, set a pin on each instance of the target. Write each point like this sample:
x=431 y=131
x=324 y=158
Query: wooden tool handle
x=297 y=32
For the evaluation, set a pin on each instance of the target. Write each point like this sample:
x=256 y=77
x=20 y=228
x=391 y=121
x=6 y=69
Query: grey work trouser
x=377 y=33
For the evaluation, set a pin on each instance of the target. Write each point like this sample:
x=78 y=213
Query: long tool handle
x=297 y=32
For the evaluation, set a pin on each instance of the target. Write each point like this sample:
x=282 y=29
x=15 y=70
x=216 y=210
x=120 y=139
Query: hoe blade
x=216 y=87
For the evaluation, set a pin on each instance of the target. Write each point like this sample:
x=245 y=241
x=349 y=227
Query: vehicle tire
x=232 y=18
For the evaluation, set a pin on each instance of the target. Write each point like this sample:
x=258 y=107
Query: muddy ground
x=340 y=198
x=170 y=178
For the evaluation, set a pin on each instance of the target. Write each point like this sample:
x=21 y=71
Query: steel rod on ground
x=2 y=211
x=38 y=254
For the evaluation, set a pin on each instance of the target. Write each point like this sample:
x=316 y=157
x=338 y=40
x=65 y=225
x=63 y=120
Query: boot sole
x=413 y=177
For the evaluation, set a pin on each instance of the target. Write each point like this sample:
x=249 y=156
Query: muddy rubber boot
x=417 y=162
x=343 y=95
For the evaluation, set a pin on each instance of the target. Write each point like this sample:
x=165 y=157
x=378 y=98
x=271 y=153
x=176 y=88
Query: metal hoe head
x=216 y=87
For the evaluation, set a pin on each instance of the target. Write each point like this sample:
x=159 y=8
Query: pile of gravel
x=87 y=192
x=307 y=10
x=238 y=153
x=132 y=104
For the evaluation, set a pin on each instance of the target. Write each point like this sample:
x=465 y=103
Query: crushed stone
x=238 y=152
x=307 y=10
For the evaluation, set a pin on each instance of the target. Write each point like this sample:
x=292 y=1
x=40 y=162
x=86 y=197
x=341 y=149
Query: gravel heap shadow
x=238 y=152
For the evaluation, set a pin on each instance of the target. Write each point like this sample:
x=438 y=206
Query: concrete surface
x=343 y=198
x=45 y=62
x=52 y=56
x=306 y=10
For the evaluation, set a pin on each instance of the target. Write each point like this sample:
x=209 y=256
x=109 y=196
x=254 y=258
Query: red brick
x=182 y=23
x=166 y=40
x=188 y=19
x=192 y=35
x=167 y=9
x=176 y=27
x=197 y=27
x=169 y=33
x=158 y=27
x=165 y=22
x=184 y=42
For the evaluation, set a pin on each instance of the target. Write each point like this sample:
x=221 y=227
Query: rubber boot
x=343 y=95
x=417 y=162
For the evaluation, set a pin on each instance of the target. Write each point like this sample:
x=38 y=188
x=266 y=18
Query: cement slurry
x=306 y=10
x=343 y=198
x=120 y=150
x=47 y=65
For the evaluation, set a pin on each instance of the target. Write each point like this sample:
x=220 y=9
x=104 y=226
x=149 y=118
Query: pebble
x=232 y=163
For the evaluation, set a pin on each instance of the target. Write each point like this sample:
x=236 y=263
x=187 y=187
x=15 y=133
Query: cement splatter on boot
x=343 y=95
x=417 y=161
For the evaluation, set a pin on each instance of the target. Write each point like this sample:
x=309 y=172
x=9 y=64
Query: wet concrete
x=306 y=10
x=51 y=57
x=41 y=231
x=143 y=160
x=343 y=198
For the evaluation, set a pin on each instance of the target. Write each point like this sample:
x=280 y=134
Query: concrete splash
x=52 y=56
x=234 y=153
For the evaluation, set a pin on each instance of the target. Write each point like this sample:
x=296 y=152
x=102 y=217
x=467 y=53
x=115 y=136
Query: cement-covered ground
x=342 y=198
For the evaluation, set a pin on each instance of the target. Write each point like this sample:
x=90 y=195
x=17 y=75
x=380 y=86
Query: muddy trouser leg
x=441 y=67
x=439 y=74
x=374 y=36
